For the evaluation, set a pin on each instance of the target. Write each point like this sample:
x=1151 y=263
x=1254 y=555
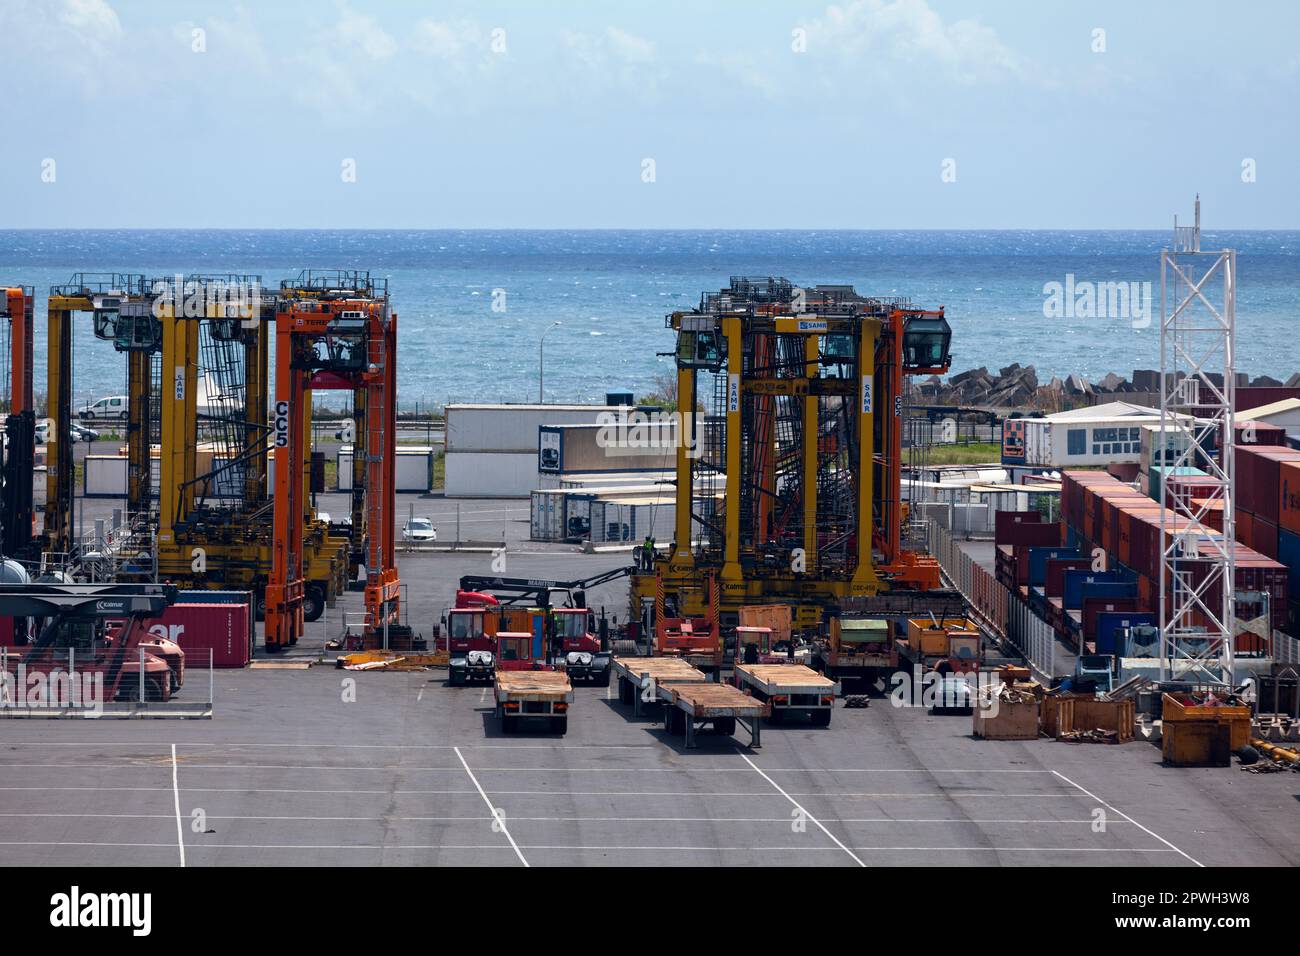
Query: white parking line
x=1128 y=818
x=580 y=819
x=600 y=848
x=176 y=793
x=912 y=795
x=497 y=815
x=455 y=769
x=802 y=810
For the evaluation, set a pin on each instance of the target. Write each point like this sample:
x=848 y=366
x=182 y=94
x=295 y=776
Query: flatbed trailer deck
x=523 y=695
x=724 y=706
x=790 y=689
x=637 y=676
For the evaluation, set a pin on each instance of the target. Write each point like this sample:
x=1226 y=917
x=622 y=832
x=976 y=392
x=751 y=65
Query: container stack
x=1118 y=532
x=1267 y=510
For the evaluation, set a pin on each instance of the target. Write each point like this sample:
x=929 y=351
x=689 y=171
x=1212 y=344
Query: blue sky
x=543 y=115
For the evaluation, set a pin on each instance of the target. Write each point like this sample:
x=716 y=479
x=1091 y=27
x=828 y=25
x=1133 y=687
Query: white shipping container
x=104 y=476
x=413 y=472
x=510 y=428
x=491 y=474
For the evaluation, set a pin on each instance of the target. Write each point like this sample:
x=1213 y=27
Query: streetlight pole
x=541 y=362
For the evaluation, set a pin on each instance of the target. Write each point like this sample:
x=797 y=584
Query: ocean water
x=611 y=290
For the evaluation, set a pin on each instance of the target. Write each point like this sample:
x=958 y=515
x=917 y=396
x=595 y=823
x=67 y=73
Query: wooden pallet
x=786 y=679
x=662 y=670
x=533 y=685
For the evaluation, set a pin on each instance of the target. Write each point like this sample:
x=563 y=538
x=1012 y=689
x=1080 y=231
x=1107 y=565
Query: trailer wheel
x=725 y=725
x=626 y=692
x=777 y=716
x=603 y=679
x=313 y=602
x=508 y=724
x=821 y=718
x=560 y=725
x=453 y=677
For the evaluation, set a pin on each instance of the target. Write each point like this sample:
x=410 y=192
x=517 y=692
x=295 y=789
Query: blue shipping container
x=1038 y=558
x=1109 y=624
x=1080 y=584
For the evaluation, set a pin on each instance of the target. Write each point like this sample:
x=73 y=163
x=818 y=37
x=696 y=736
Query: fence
x=1000 y=612
x=1286 y=649
x=150 y=681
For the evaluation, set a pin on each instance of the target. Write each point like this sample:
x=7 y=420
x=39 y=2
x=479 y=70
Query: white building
x=1095 y=436
x=1285 y=414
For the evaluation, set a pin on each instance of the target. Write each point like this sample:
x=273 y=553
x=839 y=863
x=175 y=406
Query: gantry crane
x=789 y=463
x=16 y=512
x=213 y=522
x=334 y=330
x=121 y=306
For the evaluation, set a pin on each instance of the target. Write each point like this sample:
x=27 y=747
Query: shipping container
x=1288 y=501
x=490 y=474
x=511 y=428
x=1158 y=474
x=1264 y=537
x=1110 y=624
x=1259 y=479
x=104 y=476
x=413 y=469
x=219 y=628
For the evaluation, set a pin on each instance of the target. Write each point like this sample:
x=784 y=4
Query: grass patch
x=978 y=453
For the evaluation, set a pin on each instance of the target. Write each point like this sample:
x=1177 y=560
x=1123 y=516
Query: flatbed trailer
x=526 y=695
x=688 y=704
x=790 y=689
x=639 y=676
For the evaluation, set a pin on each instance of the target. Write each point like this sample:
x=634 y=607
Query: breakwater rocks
x=1017 y=386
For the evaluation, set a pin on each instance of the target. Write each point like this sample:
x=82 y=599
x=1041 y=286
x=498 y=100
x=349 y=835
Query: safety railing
x=150 y=681
x=999 y=611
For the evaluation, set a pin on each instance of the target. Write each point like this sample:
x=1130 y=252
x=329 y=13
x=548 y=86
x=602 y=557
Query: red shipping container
x=1258 y=474
x=198 y=628
x=1094 y=606
x=1288 y=496
x=1264 y=536
x=1261 y=433
x=1054 y=585
x=1005 y=524
x=1246 y=528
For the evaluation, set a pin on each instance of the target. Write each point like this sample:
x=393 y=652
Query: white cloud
x=448 y=40
x=909 y=31
x=629 y=47
x=360 y=32
x=90 y=18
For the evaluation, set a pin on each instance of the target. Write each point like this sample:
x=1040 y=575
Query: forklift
x=555 y=612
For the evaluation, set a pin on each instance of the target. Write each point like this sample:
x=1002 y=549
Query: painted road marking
x=176 y=793
x=802 y=810
x=1149 y=832
x=497 y=815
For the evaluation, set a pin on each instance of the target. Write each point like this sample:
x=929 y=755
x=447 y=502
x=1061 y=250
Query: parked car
x=419 y=529
x=79 y=432
x=113 y=407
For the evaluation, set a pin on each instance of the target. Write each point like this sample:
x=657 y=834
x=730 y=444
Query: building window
x=1076 y=441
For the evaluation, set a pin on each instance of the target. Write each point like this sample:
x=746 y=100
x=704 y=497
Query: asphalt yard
x=299 y=767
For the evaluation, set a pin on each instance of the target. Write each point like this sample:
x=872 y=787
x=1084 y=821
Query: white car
x=419 y=529
x=112 y=407
x=79 y=432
